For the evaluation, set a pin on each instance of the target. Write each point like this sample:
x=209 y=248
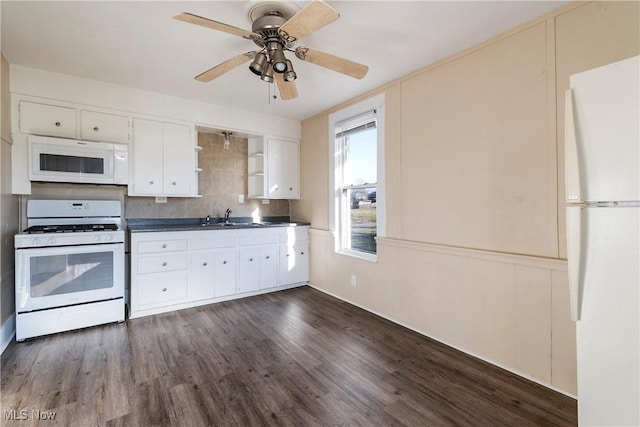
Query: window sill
x=359 y=255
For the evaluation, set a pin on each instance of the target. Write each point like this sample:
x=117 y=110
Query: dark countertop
x=138 y=225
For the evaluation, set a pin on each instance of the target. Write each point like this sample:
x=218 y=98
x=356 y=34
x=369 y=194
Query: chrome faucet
x=226 y=215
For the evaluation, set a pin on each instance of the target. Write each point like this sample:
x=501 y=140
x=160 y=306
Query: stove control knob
x=96 y=238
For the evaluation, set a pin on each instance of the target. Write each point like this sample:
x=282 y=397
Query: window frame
x=337 y=211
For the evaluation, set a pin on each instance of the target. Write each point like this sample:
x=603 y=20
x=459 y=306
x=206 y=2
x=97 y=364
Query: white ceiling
x=137 y=44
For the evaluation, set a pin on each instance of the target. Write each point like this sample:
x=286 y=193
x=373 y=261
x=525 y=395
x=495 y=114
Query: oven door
x=68 y=275
x=67 y=160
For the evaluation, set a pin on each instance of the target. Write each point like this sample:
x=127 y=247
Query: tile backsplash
x=223 y=178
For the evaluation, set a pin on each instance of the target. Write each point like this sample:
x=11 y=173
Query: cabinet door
x=147 y=158
x=179 y=155
x=249 y=269
x=282 y=169
x=201 y=275
x=294 y=263
x=51 y=120
x=268 y=266
x=224 y=281
x=96 y=126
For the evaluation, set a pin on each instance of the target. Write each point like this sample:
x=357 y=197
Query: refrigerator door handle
x=574 y=257
x=571 y=165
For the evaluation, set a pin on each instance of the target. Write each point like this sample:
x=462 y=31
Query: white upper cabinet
x=274 y=168
x=104 y=127
x=163 y=160
x=283 y=159
x=50 y=120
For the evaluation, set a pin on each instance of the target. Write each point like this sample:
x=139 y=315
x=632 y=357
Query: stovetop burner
x=70 y=228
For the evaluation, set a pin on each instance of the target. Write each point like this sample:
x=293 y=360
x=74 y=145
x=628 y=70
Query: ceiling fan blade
x=224 y=67
x=214 y=25
x=287 y=90
x=332 y=62
x=312 y=17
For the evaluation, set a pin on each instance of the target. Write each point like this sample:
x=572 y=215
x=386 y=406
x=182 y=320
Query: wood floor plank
x=290 y=358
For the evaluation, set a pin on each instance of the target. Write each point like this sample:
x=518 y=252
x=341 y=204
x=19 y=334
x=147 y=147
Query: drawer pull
x=288 y=254
x=57 y=124
x=164 y=289
x=267 y=257
x=224 y=262
x=250 y=259
x=290 y=188
x=95 y=128
x=150 y=182
x=164 y=245
x=173 y=183
x=301 y=253
x=164 y=264
x=204 y=264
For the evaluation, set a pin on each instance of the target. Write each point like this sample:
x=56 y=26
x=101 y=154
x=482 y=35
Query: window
x=356 y=140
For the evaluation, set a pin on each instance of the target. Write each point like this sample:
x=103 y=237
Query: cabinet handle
x=151 y=182
x=57 y=124
x=224 y=262
x=250 y=259
x=267 y=257
x=287 y=254
x=164 y=289
x=301 y=253
x=164 y=264
x=164 y=245
x=204 y=264
x=290 y=188
x=95 y=128
x=173 y=183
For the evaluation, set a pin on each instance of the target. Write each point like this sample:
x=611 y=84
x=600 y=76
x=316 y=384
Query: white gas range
x=69 y=266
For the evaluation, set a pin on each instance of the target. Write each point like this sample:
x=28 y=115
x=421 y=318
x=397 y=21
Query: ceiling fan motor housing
x=268 y=26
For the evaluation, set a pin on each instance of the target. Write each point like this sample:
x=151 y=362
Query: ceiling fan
x=274 y=34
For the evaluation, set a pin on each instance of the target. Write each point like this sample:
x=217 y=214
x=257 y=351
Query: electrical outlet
x=240 y=198
x=353 y=280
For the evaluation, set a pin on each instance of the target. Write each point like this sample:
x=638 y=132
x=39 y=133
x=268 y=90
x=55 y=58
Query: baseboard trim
x=7 y=332
x=499 y=365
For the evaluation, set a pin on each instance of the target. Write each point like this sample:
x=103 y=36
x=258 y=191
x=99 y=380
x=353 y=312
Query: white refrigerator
x=602 y=164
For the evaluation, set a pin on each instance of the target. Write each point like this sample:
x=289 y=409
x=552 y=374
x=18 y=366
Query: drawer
x=258 y=237
x=161 y=289
x=214 y=239
x=292 y=235
x=167 y=245
x=104 y=127
x=162 y=263
x=51 y=120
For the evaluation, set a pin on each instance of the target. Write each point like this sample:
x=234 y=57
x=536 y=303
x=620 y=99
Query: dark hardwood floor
x=297 y=357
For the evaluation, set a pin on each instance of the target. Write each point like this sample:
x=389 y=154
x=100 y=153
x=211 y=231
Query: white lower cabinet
x=294 y=266
x=201 y=272
x=224 y=279
x=180 y=269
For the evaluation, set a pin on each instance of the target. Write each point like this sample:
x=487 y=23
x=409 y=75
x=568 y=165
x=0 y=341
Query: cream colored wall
x=473 y=255
x=8 y=211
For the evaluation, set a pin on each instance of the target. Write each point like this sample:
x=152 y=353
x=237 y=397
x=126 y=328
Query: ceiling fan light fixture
x=290 y=75
x=257 y=66
x=267 y=75
x=278 y=60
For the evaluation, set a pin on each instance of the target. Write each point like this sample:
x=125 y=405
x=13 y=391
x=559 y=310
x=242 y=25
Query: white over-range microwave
x=70 y=160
